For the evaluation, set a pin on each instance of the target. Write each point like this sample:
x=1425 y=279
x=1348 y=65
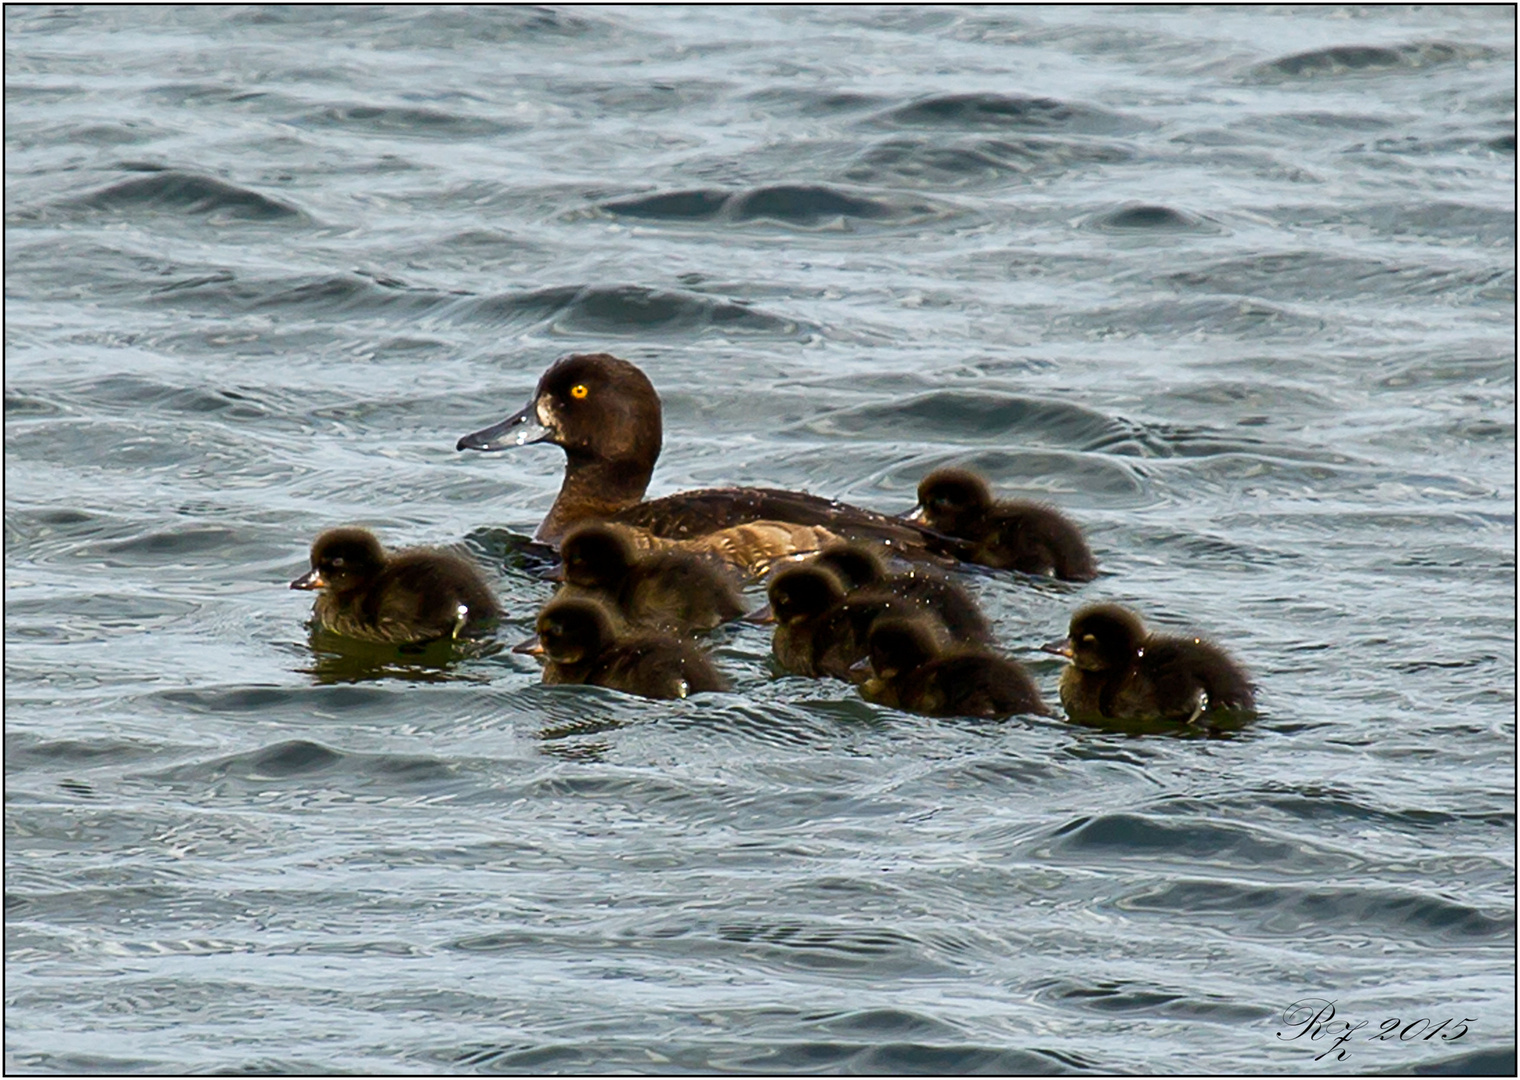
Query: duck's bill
x=531 y=647
x=1061 y=647
x=519 y=429
x=916 y=515
x=312 y=579
x=761 y=616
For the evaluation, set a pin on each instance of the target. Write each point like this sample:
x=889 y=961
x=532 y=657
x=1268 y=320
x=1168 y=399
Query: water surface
x=1235 y=288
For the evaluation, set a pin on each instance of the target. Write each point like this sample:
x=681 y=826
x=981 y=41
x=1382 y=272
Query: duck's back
x=691 y=514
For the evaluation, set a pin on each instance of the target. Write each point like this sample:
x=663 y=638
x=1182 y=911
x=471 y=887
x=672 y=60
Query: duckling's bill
x=312 y=579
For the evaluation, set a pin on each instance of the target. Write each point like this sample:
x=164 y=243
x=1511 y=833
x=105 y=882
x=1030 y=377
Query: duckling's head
x=598 y=407
x=801 y=592
x=596 y=556
x=574 y=631
x=1102 y=636
x=854 y=564
x=947 y=498
x=900 y=645
x=342 y=559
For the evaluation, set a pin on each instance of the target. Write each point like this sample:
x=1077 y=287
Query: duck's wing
x=692 y=514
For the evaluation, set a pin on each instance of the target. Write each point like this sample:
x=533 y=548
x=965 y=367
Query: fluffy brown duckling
x=911 y=668
x=582 y=646
x=605 y=414
x=822 y=628
x=670 y=589
x=800 y=597
x=1120 y=671
x=406 y=597
x=920 y=587
x=1007 y=535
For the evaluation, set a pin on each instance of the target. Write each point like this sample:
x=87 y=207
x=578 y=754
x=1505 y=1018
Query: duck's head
x=574 y=631
x=948 y=498
x=342 y=559
x=1101 y=637
x=596 y=556
x=596 y=406
x=801 y=592
x=854 y=564
x=898 y=645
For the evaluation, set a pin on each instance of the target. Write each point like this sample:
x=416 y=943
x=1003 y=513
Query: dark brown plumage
x=912 y=669
x=1120 y=671
x=801 y=596
x=410 y=596
x=1006 y=535
x=582 y=646
x=671 y=590
x=823 y=626
x=918 y=590
x=606 y=415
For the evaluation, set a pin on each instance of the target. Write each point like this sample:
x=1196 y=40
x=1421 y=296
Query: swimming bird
x=800 y=597
x=604 y=412
x=409 y=596
x=912 y=669
x=919 y=587
x=822 y=629
x=1120 y=671
x=1007 y=535
x=582 y=646
x=666 y=589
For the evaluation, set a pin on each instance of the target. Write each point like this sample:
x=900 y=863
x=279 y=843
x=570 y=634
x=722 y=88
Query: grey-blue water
x=1235 y=288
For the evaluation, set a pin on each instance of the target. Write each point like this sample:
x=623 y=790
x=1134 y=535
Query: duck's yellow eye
x=579 y=391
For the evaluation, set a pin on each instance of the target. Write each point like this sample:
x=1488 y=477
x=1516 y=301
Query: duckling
x=919 y=587
x=407 y=597
x=582 y=647
x=800 y=597
x=1120 y=671
x=1003 y=535
x=665 y=589
x=912 y=669
x=855 y=564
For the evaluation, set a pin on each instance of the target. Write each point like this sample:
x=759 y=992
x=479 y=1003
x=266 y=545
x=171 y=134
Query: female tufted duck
x=410 y=596
x=605 y=414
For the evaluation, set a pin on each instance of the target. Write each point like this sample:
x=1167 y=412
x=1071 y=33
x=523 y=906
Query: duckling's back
x=1188 y=675
x=657 y=666
x=971 y=683
x=1035 y=539
x=423 y=594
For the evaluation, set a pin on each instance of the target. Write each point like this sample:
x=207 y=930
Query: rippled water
x=1236 y=288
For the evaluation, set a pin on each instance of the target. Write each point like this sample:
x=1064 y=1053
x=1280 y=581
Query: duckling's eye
x=1089 y=639
x=579 y=391
x=336 y=562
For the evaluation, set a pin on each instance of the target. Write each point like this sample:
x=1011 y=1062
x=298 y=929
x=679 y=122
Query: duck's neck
x=594 y=489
